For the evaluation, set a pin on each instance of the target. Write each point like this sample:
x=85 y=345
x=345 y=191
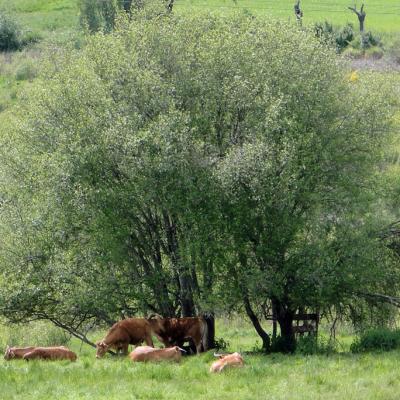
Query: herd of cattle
x=172 y=332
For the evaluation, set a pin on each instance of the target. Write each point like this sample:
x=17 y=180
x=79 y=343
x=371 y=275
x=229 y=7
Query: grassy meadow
x=383 y=16
x=340 y=375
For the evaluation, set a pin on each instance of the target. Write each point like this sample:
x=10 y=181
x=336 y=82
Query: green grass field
x=43 y=16
x=54 y=15
x=343 y=375
x=382 y=15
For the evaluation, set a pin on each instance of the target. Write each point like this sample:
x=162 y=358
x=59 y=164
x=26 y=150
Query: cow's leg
x=149 y=341
x=124 y=349
x=198 y=347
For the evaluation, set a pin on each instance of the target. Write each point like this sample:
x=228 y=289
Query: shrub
x=9 y=34
x=308 y=345
x=221 y=343
x=30 y=37
x=340 y=37
x=381 y=339
x=98 y=15
x=26 y=71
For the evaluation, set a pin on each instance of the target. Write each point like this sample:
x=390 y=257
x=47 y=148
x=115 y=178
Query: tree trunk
x=360 y=15
x=266 y=341
x=274 y=324
x=184 y=276
x=285 y=319
x=210 y=319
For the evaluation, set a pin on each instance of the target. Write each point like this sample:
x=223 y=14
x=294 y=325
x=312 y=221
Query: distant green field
x=43 y=15
x=382 y=15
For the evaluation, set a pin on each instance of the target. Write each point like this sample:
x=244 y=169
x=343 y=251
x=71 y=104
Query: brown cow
x=229 y=360
x=123 y=333
x=50 y=353
x=16 y=352
x=175 y=331
x=146 y=353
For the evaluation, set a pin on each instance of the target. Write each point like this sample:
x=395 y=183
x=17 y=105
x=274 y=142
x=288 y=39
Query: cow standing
x=146 y=353
x=225 y=361
x=123 y=333
x=175 y=331
x=50 y=353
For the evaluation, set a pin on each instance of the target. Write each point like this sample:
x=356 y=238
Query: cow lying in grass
x=123 y=333
x=13 y=353
x=147 y=353
x=226 y=361
x=50 y=353
x=42 y=353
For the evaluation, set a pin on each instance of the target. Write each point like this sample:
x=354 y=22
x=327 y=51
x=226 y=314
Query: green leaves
x=183 y=162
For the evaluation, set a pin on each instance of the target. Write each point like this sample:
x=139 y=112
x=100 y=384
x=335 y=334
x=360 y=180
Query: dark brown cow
x=226 y=361
x=175 y=331
x=123 y=333
x=146 y=353
x=16 y=352
x=50 y=353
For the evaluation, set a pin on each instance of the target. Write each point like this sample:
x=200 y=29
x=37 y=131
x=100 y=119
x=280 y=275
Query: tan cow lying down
x=50 y=353
x=175 y=331
x=43 y=353
x=147 y=353
x=226 y=361
x=123 y=333
x=16 y=352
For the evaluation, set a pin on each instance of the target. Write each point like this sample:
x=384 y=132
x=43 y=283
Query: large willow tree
x=190 y=164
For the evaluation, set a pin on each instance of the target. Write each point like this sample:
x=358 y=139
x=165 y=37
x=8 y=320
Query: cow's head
x=101 y=349
x=156 y=323
x=9 y=354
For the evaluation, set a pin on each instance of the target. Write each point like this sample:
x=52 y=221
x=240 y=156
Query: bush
x=30 y=37
x=221 y=343
x=9 y=34
x=26 y=71
x=308 y=345
x=366 y=41
x=98 y=15
x=381 y=339
x=340 y=37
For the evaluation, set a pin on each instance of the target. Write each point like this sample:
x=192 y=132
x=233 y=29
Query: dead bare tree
x=360 y=14
x=298 y=12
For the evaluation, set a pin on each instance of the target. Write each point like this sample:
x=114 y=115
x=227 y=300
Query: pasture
x=383 y=16
x=370 y=376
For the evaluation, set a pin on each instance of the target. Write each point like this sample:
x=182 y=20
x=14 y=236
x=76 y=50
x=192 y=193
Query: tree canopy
x=187 y=164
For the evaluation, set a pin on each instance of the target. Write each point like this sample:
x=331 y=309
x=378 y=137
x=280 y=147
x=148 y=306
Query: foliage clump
x=378 y=339
x=10 y=34
x=347 y=40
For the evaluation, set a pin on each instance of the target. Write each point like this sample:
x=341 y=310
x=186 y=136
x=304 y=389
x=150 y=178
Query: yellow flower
x=354 y=76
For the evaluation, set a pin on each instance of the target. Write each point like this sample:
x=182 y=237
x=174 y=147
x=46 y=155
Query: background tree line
x=196 y=164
